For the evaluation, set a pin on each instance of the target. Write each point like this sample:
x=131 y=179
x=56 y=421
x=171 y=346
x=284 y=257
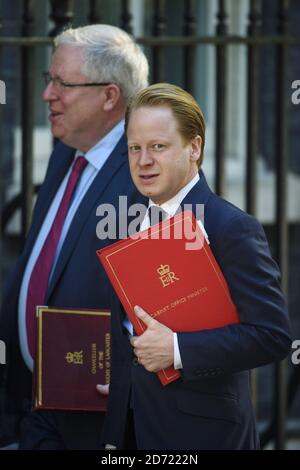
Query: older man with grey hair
x=94 y=71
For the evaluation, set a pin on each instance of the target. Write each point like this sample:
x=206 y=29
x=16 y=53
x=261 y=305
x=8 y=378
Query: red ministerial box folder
x=170 y=271
x=73 y=356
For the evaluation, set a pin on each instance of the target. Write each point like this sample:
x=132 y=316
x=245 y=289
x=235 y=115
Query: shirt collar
x=171 y=206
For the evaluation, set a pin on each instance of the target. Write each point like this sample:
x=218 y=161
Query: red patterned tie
x=38 y=282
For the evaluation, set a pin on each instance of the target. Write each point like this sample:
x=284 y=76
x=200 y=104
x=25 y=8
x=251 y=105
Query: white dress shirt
x=96 y=158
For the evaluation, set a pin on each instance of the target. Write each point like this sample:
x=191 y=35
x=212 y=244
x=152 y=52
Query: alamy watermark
x=2 y=352
x=296 y=354
x=2 y=92
x=125 y=221
x=296 y=94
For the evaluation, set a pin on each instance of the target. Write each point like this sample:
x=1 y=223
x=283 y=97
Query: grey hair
x=110 y=55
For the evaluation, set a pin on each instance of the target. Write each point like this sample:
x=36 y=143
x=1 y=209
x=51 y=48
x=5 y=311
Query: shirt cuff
x=177 y=358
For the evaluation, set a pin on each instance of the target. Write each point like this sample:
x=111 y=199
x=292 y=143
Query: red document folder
x=73 y=356
x=170 y=271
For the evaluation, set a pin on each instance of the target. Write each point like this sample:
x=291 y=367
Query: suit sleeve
x=263 y=335
x=119 y=393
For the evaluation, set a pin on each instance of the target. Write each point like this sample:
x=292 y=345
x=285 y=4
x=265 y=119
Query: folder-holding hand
x=102 y=389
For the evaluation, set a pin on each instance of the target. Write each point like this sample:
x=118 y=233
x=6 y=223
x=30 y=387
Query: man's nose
x=49 y=92
x=145 y=158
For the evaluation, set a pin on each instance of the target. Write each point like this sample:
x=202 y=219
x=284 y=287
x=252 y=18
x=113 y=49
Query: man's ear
x=112 y=96
x=196 y=148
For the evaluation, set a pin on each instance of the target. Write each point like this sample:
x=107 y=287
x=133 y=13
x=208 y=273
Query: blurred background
x=241 y=60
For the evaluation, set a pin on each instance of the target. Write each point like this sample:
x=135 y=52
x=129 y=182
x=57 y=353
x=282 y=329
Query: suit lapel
x=63 y=158
x=116 y=159
x=199 y=194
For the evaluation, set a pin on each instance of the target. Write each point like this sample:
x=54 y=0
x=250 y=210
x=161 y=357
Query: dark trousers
x=129 y=438
x=61 y=430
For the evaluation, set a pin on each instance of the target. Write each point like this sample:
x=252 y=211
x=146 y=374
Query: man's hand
x=154 y=348
x=102 y=389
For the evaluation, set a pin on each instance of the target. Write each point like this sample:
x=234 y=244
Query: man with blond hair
x=209 y=407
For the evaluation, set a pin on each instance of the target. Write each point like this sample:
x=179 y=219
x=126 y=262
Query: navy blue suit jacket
x=79 y=280
x=210 y=406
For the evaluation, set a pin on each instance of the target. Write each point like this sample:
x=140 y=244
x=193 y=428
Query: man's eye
x=134 y=148
x=158 y=146
x=64 y=84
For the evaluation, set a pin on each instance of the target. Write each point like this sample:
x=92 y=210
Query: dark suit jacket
x=79 y=279
x=210 y=406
